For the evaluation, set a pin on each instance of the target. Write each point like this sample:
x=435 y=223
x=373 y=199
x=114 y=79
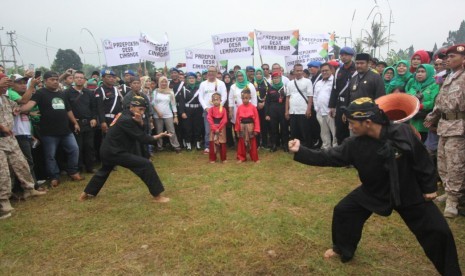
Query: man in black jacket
x=365 y=83
x=340 y=93
x=396 y=174
x=118 y=149
x=84 y=107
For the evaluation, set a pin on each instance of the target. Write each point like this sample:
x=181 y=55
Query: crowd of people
x=58 y=121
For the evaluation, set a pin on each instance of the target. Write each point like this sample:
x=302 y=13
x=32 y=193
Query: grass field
x=272 y=218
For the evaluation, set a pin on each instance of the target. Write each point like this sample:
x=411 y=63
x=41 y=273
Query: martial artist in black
x=135 y=90
x=118 y=150
x=396 y=174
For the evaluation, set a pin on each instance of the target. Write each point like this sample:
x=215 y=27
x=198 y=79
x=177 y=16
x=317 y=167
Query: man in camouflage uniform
x=449 y=114
x=10 y=153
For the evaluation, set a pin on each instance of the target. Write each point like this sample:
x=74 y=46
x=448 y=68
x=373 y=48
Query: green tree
x=376 y=38
x=66 y=59
x=456 y=37
x=358 y=46
x=89 y=68
x=394 y=56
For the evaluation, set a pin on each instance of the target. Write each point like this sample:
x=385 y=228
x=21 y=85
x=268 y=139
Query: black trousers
x=141 y=166
x=279 y=126
x=192 y=126
x=315 y=130
x=424 y=220
x=300 y=129
x=85 y=141
x=342 y=129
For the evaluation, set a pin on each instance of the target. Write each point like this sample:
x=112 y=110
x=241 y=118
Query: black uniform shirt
x=369 y=85
x=105 y=101
x=82 y=103
x=122 y=135
x=341 y=79
x=416 y=172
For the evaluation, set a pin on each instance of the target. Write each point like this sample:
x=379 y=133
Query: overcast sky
x=190 y=24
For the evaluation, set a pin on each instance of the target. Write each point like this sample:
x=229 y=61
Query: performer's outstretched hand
x=163 y=134
x=294 y=145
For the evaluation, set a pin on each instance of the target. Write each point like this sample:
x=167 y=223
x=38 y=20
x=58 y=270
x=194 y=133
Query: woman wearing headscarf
x=401 y=76
x=425 y=88
x=262 y=86
x=191 y=112
x=388 y=74
x=234 y=97
x=275 y=106
x=419 y=57
x=166 y=114
x=229 y=131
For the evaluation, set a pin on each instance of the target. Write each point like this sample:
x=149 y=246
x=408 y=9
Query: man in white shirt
x=206 y=89
x=321 y=96
x=299 y=100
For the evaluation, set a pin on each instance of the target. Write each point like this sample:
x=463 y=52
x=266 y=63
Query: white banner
x=311 y=47
x=121 y=50
x=302 y=59
x=152 y=50
x=233 y=45
x=198 y=60
x=278 y=43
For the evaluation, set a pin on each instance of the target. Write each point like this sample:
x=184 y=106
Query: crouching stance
x=121 y=142
x=396 y=174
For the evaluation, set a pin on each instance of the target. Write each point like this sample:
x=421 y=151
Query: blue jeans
x=70 y=147
x=207 y=129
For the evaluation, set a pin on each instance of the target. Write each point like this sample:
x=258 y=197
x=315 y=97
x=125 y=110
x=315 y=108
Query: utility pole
x=11 y=33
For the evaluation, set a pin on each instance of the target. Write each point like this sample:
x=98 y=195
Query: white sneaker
x=6 y=205
x=206 y=151
x=188 y=146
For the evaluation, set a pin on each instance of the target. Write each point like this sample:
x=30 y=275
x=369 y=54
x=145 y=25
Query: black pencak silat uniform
x=190 y=105
x=275 y=107
x=395 y=171
x=119 y=148
x=262 y=92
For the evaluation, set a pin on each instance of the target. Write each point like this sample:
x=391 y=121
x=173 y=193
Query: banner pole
x=258 y=47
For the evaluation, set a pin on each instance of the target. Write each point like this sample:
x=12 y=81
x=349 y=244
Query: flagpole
x=258 y=46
